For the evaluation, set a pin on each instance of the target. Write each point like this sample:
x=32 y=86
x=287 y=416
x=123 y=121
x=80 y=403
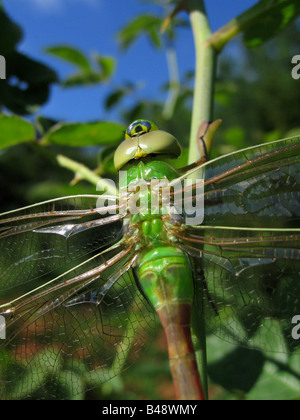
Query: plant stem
x=174 y=88
x=204 y=73
x=85 y=173
x=202 y=112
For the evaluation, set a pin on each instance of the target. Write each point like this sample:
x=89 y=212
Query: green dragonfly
x=84 y=277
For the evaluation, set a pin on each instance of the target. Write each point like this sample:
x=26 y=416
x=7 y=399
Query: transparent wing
x=39 y=239
x=73 y=313
x=258 y=186
x=250 y=281
x=248 y=247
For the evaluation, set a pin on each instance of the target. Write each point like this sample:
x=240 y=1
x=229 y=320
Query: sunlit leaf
x=14 y=130
x=70 y=54
x=142 y=25
x=107 y=66
x=83 y=79
x=88 y=134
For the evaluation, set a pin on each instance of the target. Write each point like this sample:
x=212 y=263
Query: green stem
x=204 y=73
x=85 y=173
x=242 y=22
x=202 y=111
x=198 y=330
x=174 y=88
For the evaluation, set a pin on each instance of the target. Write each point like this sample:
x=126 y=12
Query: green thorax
x=163 y=268
x=142 y=172
x=147 y=169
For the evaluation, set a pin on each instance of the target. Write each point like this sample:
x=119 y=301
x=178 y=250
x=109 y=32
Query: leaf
x=114 y=98
x=278 y=380
x=86 y=74
x=259 y=23
x=275 y=15
x=143 y=25
x=44 y=124
x=70 y=54
x=83 y=79
x=31 y=84
x=107 y=66
x=84 y=134
x=14 y=130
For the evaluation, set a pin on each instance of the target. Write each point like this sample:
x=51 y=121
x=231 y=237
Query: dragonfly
x=84 y=279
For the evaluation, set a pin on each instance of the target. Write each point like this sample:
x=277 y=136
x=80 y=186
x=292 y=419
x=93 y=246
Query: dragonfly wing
x=43 y=238
x=248 y=245
x=68 y=296
x=76 y=331
x=250 y=283
x=255 y=187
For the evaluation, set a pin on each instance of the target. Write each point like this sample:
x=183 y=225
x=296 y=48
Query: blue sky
x=91 y=25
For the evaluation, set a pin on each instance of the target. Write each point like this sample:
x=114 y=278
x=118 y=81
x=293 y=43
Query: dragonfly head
x=143 y=138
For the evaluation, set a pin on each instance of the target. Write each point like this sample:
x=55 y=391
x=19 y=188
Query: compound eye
x=139 y=127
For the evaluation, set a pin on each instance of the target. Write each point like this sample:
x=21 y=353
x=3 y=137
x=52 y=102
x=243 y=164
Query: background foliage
x=255 y=96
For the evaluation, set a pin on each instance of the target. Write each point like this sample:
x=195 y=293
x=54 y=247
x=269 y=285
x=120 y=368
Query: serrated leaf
x=84 y=134
x=71 y=55
x=14 y=130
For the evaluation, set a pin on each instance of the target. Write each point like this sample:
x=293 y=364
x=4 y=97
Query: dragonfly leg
x=205 y=136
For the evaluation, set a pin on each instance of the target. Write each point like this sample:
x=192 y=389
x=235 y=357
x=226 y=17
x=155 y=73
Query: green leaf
x=83 y=79
x=107 y=66
x=274 y=16
x=259 y=23
x=70 y=54
x=143 y=25
x=88 y=134
x=14 y=130
x=114 y=98
x=86 y=75
x=44 y=124
x=279 y=379
x=33 y=379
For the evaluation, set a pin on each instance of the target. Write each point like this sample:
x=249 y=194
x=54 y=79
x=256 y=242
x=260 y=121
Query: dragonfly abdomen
x=166 y=278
